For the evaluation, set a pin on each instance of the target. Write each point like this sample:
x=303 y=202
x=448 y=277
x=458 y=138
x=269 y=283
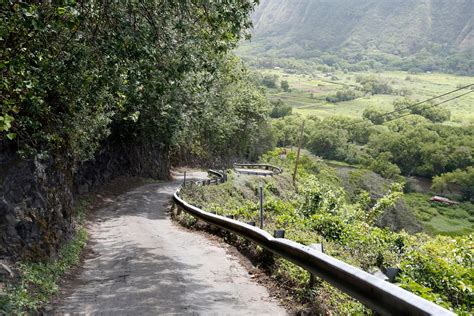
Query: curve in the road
x=142 y=264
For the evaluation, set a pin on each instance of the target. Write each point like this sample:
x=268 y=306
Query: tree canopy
x=76 y=72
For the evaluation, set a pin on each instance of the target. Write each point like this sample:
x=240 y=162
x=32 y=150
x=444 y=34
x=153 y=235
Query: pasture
x=308 y=93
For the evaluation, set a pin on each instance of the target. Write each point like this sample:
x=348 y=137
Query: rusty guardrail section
x=381 y=296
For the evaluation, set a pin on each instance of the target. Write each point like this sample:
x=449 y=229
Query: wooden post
x=261 y=204
x=298 y=153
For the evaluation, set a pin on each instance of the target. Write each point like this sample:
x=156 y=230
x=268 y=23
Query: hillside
x=347 y=211
x=384 y=31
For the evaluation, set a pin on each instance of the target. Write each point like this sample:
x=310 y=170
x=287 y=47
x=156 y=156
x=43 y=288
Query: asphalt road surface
x=143 y=264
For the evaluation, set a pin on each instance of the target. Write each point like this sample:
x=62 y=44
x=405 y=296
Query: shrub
x=441 y=269
x=280 y=109
x=341 y=96
x=384 y=167
x=374 y=85
x=464 y=179
x=437 y=268
x=284 y=85
x=269 y=81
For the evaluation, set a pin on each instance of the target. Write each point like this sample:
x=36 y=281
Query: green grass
x=441 y=219
x=37 y=282
x=308 y=93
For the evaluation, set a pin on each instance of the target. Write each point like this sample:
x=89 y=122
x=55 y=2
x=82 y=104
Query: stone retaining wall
x=36 y=196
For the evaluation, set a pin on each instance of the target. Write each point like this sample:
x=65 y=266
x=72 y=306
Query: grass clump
x=36 y=283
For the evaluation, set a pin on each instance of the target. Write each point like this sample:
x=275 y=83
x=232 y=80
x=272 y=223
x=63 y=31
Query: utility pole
x=298 y=153
x=260 y=187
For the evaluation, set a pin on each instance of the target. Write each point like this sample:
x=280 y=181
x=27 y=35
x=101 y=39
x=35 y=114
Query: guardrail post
x=312 y=277
x=279 y=233
x=184 y=180
x=392 y=273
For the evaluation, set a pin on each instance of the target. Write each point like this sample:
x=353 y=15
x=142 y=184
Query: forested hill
x=381 y=30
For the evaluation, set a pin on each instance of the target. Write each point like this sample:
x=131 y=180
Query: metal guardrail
x=381 y=296
x=220 y=177
x=274 y=170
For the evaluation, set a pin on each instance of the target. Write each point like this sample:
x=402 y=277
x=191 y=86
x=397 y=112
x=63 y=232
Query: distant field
x=308 y=92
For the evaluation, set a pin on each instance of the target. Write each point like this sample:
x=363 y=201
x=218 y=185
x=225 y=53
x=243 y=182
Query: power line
x=430 y=106
x=424 y=101
x=405 y=107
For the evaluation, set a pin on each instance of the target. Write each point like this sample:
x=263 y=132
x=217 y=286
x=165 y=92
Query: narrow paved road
x=144 y=265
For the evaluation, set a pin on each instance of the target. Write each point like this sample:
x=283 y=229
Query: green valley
x=309 y=92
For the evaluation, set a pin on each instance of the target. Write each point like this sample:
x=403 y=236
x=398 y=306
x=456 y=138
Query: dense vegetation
x=409 y=146
x=437 y=268
x=345 y=130
x=359 y=35
x=226 y=119
x=76 y=74
x=463 y=179
x=379 y=123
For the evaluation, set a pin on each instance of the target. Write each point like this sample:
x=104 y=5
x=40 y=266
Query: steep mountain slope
x=408 y=25
x=354 y=28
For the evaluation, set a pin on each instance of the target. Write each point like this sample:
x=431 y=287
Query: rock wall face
x=35 y=206
x=148 y=161
x=36 y=196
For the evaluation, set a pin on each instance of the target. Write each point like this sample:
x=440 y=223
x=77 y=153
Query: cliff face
x=36 y=196
x=35 y=206
x=401 y=27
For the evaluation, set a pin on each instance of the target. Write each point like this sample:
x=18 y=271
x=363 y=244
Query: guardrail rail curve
x=379 y=295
